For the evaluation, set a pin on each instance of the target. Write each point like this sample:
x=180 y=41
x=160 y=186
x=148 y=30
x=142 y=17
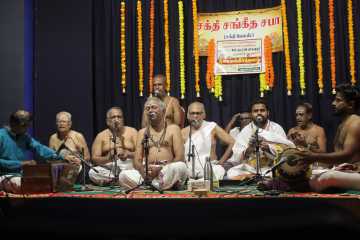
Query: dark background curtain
x=77 y=56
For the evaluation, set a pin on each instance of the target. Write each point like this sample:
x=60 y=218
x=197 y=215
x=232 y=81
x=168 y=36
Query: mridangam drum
x=291 y=169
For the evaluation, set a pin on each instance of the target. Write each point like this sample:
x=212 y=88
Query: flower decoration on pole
x=351 y=41
x=167 y=46
x=218 y=87
x=196 y=48
x=300 y=46
x=151 y=47
x=140 y=48
x=181 y=49
x=332 y=45
x=262 y=84
x=123 y=45
x=286 y=48
x=319 y=47
x=210 y=77
x=269 y=68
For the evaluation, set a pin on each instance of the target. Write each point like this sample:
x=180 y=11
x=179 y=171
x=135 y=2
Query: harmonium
x=49 y=177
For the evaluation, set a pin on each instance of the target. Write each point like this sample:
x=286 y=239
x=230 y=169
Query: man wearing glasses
x=204 y=136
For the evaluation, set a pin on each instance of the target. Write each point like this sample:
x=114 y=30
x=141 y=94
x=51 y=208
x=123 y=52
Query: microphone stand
x=191 y=154
x=146 y=184
x=114 y=158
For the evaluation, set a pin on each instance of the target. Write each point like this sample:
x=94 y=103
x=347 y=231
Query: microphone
x=156 y=93
x=258 y=120
x=151 y=115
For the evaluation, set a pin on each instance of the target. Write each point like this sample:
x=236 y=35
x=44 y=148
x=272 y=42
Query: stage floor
x=109 y=212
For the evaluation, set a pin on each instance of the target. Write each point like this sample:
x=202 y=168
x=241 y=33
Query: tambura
x=291 y=170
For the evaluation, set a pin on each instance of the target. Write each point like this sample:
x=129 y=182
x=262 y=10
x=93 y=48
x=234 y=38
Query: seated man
x=347 y=145
x=242 y=119
x=113 y=149
x=268 y=135
x=162 y=146
x=67 y=141
x=173 y=110
x=204 y=136
x=14 y=143
x=307 y=134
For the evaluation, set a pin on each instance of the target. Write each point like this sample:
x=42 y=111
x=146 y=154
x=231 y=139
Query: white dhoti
x=170 y=174
x=201 y=140
x=106 y=172
x=10 y=183
x=273 y=134
x=322 y=180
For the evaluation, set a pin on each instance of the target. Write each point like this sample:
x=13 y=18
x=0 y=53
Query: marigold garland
x=140 y=47
x=151 y=47
x=332 y=45
x=269 y=68
x=218 y=87
x=123 y=46
x=301 y=47
x=262 y=83
x=181 y=49
x=286 y=48
x=210 y=79
x=167 y=46
x=196 y=48
x=319 y=46
x=351 y=41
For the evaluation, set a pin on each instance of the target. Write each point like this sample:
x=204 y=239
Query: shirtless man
x=204 y=136
x=165 y=151
x=347 y=145
x=68 y=140
x=173 y=109
x=116 y=143
x=307 y=134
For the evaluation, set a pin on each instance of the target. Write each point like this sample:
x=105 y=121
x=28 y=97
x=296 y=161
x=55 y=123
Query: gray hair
x=67 y=114
x=111 y=109
x=158 y=101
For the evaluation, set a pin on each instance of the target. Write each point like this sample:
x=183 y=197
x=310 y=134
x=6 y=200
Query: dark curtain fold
x=238 y=90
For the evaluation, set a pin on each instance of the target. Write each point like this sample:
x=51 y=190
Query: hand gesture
x=123 y=154
x=72 y=159
x=154 y=171
x=28 y=163
x=298 y=139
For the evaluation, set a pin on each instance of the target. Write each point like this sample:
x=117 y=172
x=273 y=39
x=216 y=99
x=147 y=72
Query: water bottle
x=208 y=173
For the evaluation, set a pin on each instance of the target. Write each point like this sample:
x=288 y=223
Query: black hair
x=20 y=118
x=349 y=93
x=259 y=101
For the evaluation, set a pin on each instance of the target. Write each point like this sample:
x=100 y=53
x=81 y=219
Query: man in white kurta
x=271 y=139
x=204 y=136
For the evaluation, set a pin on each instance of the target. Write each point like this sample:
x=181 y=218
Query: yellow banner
x=241 y=25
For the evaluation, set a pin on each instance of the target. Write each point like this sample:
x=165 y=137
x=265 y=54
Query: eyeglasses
x=196 y=113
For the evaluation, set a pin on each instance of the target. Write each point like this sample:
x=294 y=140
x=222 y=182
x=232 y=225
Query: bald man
x=116 y=143
x=204 y=136
x=172 y=106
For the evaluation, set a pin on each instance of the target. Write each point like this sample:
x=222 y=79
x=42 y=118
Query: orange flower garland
x=351 y=42
x=140 y=48
x=210 y=79
x=286 y=48
x=269 y=68
x=332 y=45
x=319 y=46
x=167 y=46
x=196 y=48
x=151 y=47
x=123 y=46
